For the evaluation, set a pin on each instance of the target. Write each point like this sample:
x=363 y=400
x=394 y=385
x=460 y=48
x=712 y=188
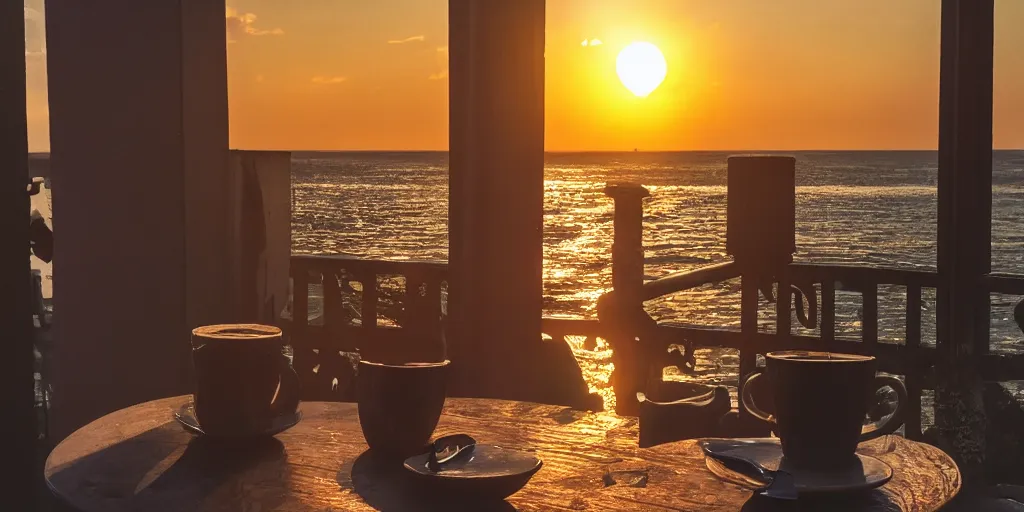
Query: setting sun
x=641 y=67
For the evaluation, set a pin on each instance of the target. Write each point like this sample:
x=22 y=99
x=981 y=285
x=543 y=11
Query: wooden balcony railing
x=638 y=336
x=378 y=309
x=392 y=310
x=904 y=357
x=382 y=310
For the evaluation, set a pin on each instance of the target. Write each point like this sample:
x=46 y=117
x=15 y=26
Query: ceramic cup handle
x=895 y=420
x=287 y=399
x=748 y=400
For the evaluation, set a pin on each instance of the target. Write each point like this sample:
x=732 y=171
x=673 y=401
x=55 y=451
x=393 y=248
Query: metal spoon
x=780 y=484
x=448 y=448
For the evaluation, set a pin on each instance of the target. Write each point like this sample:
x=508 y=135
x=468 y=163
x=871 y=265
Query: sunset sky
x=742 y=74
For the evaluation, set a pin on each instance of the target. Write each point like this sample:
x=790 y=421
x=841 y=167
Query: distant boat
x=635 y=150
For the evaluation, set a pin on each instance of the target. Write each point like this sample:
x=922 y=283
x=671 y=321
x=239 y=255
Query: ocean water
x=873 y=208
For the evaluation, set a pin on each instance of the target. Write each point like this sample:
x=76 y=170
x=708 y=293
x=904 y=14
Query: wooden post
x=139 y=159
x=496 y=206
x=964 y=238
x=16 y=369
x=628 y=244
x=630 y=372
x=761 y=211
x=761 y=237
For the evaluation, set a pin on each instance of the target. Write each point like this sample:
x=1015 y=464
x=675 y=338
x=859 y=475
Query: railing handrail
x=378 y=266
x=680 y=281
x=814 y=272
x=867 y=275
x=1010 y=284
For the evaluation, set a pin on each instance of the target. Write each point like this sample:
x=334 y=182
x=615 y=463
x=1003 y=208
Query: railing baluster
x=432 y=303
x=784 y=306
x=304 y=359
x=332 y=300
x=828 y=309
x=369 y=311
x=870 y=308
x=914 y=377
x=300 y=298
x=412 y=308
x=748 y=325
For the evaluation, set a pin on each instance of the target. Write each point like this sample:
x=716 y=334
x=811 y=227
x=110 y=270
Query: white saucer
x=864 y=474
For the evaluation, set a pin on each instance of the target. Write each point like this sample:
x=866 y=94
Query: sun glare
x=641 y=67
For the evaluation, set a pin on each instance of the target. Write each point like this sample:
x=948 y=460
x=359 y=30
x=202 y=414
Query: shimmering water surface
x=866 y=208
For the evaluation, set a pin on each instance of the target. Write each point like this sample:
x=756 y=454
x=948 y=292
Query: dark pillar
x=16 y=363
x=139 y=160
x=496 y=202
x=964 y=238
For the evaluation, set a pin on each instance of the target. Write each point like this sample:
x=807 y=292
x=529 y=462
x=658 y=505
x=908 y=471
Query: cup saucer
x=863 y=473
x=186 y=417
x=488 y=473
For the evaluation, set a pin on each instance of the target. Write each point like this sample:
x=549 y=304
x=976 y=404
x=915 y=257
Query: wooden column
x=496 y=202
x=139 y=150
x=16 y=363
x=496 y=188
x=628 y=318
x=964 y=238
x=761 y=237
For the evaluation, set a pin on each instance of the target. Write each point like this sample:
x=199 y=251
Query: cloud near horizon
x=244 y=23
x=412 y=39
x=327 y=80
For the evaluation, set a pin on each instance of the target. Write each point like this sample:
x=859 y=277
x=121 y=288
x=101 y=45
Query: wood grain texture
x=139 y=459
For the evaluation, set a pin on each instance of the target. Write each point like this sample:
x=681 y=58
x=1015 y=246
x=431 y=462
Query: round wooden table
x=140 y=459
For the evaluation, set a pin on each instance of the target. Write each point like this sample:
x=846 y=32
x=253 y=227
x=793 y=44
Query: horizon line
x=576 y=151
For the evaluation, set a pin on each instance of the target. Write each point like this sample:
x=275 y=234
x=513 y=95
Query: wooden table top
x=139 y=459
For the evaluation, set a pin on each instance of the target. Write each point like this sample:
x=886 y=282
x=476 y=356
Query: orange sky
x=742 y=74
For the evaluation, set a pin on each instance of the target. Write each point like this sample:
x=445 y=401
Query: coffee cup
x=243 y=379
x=821 y=400
x=400 y=405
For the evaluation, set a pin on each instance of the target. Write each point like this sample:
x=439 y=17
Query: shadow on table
x=151 y=471
x=389 y=487
x=876 y=500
